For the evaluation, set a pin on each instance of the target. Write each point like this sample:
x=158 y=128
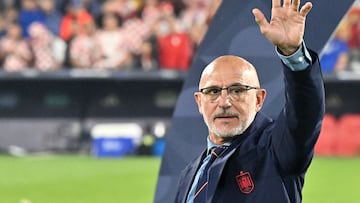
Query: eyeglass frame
x=220 y=89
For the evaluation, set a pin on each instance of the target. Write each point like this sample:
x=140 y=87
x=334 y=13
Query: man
x=257 y=159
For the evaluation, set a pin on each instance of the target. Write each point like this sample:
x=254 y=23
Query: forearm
x=299 y=124
x=304 y=96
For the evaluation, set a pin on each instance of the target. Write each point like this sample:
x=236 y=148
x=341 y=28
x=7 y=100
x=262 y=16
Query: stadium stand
x=326 y=142
x=339 y=136
x=348 y=135
x=170 y=26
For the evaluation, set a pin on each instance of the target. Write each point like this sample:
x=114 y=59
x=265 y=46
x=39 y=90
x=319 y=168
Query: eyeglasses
x=234 y=91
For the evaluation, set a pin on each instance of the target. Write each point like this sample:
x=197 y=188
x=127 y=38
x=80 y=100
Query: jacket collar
x=217 y=167
x=189 y=175
x=219 y=164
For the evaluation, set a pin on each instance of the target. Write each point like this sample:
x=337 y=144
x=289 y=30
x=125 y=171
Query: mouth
x=225 y=117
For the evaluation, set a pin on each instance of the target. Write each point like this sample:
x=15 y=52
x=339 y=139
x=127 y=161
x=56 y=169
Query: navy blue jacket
x=267 y=163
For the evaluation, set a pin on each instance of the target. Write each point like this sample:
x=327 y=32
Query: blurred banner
x=234 y=31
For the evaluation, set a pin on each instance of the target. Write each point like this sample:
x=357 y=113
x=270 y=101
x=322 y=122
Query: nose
x=224 y=99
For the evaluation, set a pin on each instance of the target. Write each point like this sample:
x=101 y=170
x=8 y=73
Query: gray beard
x=231 y=134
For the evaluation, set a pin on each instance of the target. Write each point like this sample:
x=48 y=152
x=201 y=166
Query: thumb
x=260 y=18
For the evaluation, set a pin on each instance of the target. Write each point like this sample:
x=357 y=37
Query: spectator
x=6 y=4
x=75 y=20
x=11 y=15
x=194 y=20
x=136 y=31
x=175 y=51
x=354 y=38
x=52 y=15
x=29 y=13
x=2 y=26
x=196 y=33
x=194 y=13
x=335 y=55
x=214 y=6
x=175 y=41
x=111 y=44
x=354 y=18
x=150 y=12
x=15 y=53
x=48 y=49
x=146 y=60
x=123 y=8
x=83 y=49
x=93 y=7
x=174 y=46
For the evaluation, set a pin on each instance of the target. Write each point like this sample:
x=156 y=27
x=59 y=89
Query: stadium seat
x=348 y=138
x=325 y=145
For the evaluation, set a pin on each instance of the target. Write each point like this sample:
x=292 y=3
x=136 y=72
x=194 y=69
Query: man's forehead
x=218 y=71
x=224 y=78
x=227 y=63
x=228 y=70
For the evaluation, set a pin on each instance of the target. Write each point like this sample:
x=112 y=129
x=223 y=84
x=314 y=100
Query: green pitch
x=84 y=179
x=77 y=179
x=333 y=180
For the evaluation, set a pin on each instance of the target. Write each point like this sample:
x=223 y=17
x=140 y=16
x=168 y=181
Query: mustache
x=225 y=113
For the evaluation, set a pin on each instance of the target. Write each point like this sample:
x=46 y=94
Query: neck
x=219 y=140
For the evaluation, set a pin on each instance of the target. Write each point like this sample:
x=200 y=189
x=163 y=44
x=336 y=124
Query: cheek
x=250 y=104
x=245 y=109
x=207 y=110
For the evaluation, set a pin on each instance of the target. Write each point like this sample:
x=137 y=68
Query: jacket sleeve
x=298 y=126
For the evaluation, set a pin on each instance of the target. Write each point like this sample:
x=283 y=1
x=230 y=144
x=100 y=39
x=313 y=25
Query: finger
x=306 y=9
x=295 y=5
x=287 y=3
x=276 y=3
x=260 y=19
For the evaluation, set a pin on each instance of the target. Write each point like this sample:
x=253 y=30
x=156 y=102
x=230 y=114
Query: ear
x=197 y=96
x=260 y=98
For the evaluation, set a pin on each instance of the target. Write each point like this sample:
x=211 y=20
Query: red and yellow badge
x=245 y=182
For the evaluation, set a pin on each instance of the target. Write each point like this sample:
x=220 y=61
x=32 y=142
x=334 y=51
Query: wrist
x=297 y=61
x=287 y=51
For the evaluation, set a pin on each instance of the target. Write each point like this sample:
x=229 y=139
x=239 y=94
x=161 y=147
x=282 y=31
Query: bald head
x=227 y=67
x=228 y=114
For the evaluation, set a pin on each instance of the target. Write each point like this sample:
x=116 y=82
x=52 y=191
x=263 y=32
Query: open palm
x=286 y=27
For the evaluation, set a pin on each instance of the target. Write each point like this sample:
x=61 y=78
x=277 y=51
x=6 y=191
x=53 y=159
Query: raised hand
x=286 y=27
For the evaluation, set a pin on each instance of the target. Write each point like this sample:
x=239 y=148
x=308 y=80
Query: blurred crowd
x=96 y=34
x=130 y=34
x=342 y=52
